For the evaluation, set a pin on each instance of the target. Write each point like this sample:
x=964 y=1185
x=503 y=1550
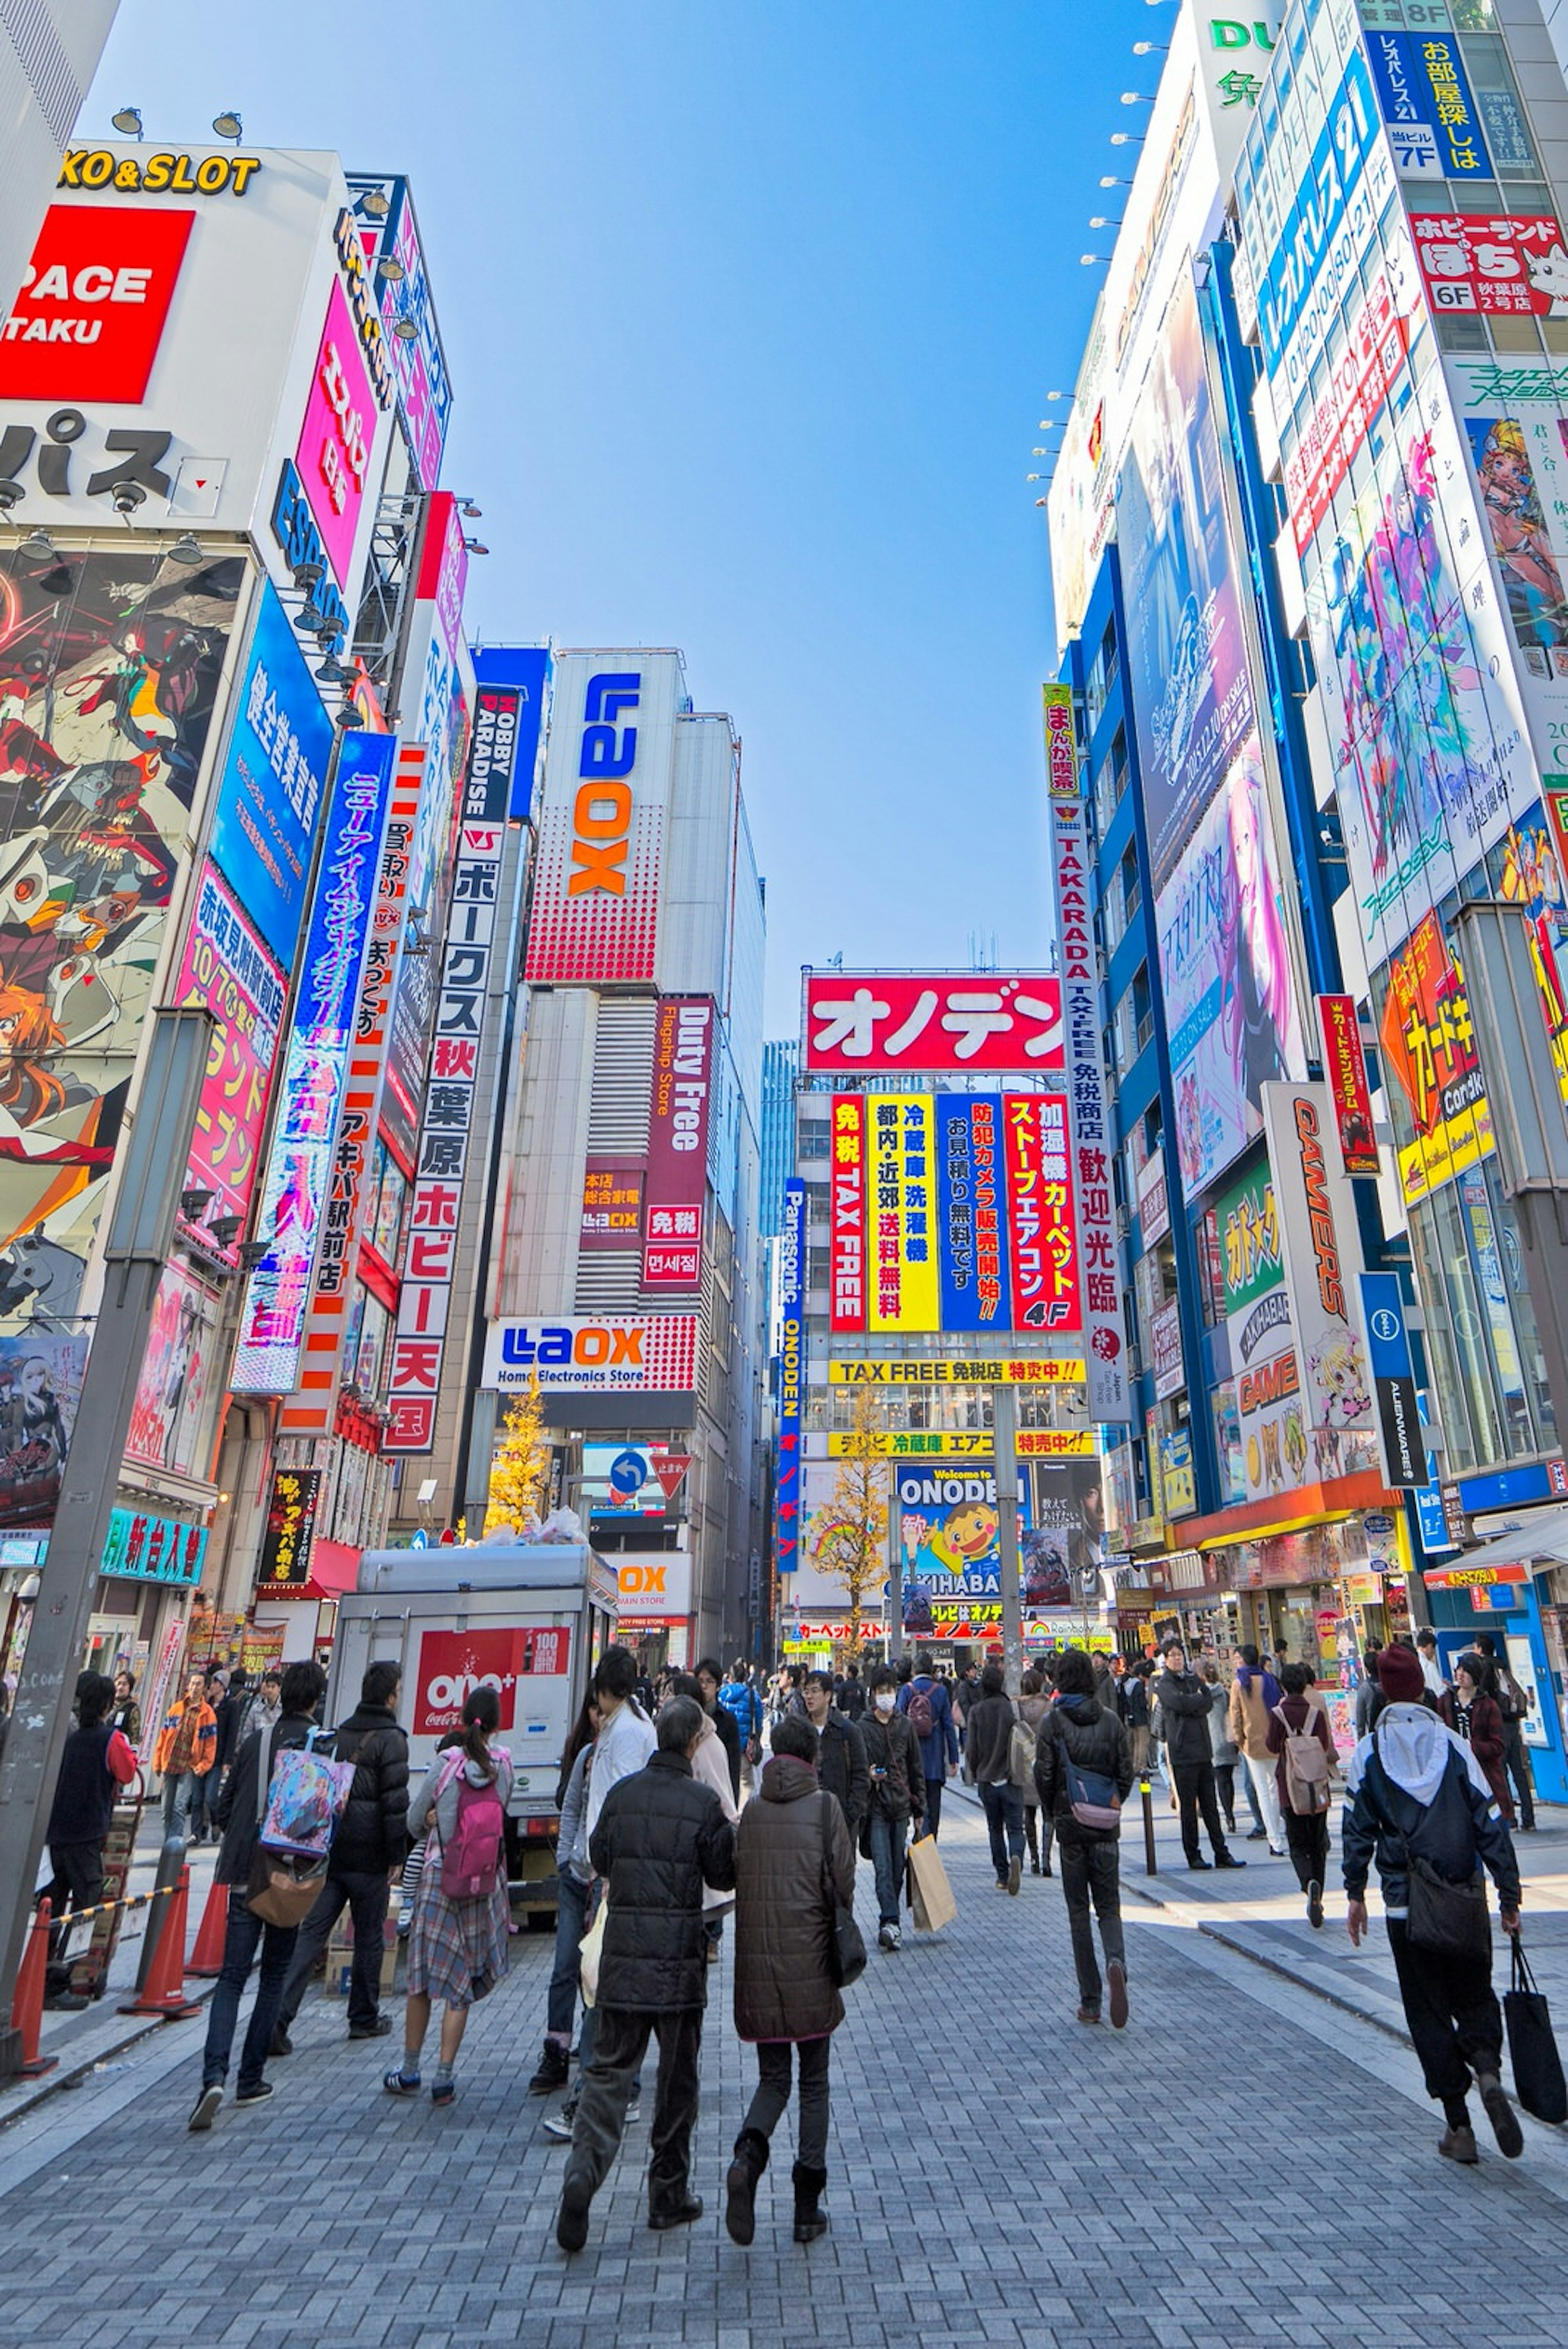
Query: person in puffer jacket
x=1415 y=1791
x=1079 y=1731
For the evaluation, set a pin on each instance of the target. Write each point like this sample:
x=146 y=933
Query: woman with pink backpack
x=457 y=1942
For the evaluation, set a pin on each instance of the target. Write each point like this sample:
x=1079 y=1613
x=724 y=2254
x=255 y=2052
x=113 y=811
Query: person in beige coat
x=1253 y=1696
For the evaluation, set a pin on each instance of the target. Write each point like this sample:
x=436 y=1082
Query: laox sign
x=601 y=813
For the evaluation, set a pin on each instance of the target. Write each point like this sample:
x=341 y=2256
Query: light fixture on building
x=307 y=575
x=1126 y=138
x=373 y=202
x=227 y=1229
x=475 y=547
x=1151 y=48
x=126 y=497
x=390 y=270
x=252 y=1252
x=11 y=494
x=1099 y=220
x=229 y=126
x=312 y=618
x=194 y=1202
x=1087 y=259
x=128 y=121
x=350 y=717
x=187 y=548
x=466 y=506
x=405 y=330
x=332 y=672
x=38 y=547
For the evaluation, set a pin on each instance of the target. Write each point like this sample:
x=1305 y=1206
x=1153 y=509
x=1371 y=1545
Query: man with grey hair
x=660 y=1837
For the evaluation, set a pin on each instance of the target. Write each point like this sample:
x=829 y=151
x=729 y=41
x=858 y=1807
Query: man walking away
x=1081 y=1754
x=1183 y=1702
x=1513 y=1704
x=898 y=1796
x=988 y=1735
x=367 y=1851
x=660 y=1838
x=1253 y=1696
x=710 y=1680
x=231 y=1711
x=95 y=1760
x=851 y=1699
x=741 y=1700
x=241 y=1806
x=1417 y=1794
x=1303 y=1743
x=929 y=1709
x=840 y=1755
x=1034 y=1704
x=794 y=1862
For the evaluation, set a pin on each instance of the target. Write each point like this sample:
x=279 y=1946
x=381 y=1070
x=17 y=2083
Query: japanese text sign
x=226 y=969
x=270 y=790
x=1345 y=1068
x=145 y=1548
x=612 y=1203
x=290 y=1534
x=1506 y=265
x=335 y=442
x=678 y=1143
x=846 y=1225
x=1041 y=1223
x=1427 y=106
x=860 y=1024
x=1428 y=1042
x=1061 y=743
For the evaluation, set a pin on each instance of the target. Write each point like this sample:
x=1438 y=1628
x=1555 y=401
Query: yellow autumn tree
x=520 y=1472
x=851 y=1541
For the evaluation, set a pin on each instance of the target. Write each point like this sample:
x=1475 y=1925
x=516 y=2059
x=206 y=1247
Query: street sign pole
x=1004 y=1421
x=140 y=1237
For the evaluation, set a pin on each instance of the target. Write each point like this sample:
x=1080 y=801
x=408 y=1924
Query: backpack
x=1092 y=1796
x=470 y=1861
x=920 y=1712
x=1306 y=1766
x=1020 y=1755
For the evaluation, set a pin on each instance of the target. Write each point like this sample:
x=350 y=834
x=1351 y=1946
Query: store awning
x=1545 y=1538
x=1290 y=1513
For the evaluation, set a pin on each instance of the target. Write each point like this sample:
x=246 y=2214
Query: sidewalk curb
x=19 y=2098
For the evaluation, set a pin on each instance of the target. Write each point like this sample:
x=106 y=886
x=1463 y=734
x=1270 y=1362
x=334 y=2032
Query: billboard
x=273 y=772
x=678 y=1143
x=972 y=1210
x=174 y=1416
x=1265 y=1392
x=791 y=1377
x=950 y=1544
x=902 y=1291
x=109 y=667
x=881 y=1022
x=1425 y=95
x=511 y=694
x=299 y=1171
x=1008 y=1369
x=1042 y=1225
x=1345 y=1068
x=601 y=826
x=846 y=1242
x=1430 y=1049
x=1491 y=264
x=603 y=1353
x=612 y=1203
x=631 y=1480
x=1063 y=1547
x=335 y=442
x=1321 y=1250
x=417 y=359
x=89 y=319
x=225 y=968
x=289 y=1534
x=41 y=1372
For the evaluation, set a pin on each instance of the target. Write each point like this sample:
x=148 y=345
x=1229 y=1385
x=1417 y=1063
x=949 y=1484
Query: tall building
x=781 y=1058
x=49 y=51
x=627 y=1266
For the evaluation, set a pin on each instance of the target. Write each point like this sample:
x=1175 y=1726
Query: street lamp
x=228 y=125
x=128 y=121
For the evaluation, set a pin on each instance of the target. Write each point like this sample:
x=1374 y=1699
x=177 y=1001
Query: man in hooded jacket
x=1079 y=1730
x=1415 y=1791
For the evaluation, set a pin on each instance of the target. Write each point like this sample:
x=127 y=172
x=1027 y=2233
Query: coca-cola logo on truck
x=452 y=1664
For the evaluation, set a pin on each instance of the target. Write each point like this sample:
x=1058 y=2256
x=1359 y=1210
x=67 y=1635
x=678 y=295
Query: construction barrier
x=206 y=1959
x=28 y=2005
x=163 y=1989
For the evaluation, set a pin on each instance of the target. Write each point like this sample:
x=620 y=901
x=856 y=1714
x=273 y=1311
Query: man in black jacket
x=368 y=1848
x=95 y=1762
x=1184 y=1702
x=241 y=1805
x=711 y=1679
x=660 y=1838
x=1080 y=1730
x=841 y=1765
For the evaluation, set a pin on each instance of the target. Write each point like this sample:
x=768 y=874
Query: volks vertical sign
x=792 y=1378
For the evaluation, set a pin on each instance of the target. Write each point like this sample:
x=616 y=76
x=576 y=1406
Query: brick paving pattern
x=1244 y=2165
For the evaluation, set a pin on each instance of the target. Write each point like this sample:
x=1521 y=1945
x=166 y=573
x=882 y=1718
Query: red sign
x=226 y=969
x=452 y=1664
x=847 y=1231
x=1344 y=1067
x=1501 y=264
x=1040 y=1217
x=678 y=1143
x=857 y=1022
x=1359 y=380
x=670 y=1468
x=612 y=1203
x=89 y=319
x=1427 y=1030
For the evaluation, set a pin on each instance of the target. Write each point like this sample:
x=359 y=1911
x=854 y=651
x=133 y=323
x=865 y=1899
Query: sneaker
x=1014 y=1875
x=1257 y=1834
x=1501 y=2114
x=1116 y=1975
x=559 y=2125
x=380 y=2029
x=891 y=1938
x=633 y=2113
x=256 y=2093
x=398 y=2082
x=1315 y=1906
x=280 y=2043
x=552 y=2072
x=1229 y=1859
x=1276 y=1851
x=1089 y=2014
x=1458 y=2145
x=206 y=2105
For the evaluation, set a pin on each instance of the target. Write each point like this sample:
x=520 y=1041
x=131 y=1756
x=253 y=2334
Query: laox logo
x=557 y=1345
x=601 y=813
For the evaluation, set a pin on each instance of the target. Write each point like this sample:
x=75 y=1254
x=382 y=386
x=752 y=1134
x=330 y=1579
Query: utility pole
x=1004 y=1423
x=140 y=1235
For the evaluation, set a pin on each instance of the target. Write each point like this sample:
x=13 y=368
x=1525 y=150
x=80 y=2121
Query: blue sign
x=1433 y=126
x=1509 y=1488
x=145 y=1548
x=1325 y=187
x=524 y=670
x=269 y=793
x=1436 y=1539
x=791 y=1377
x=972 y=1213
x=1388 y=1340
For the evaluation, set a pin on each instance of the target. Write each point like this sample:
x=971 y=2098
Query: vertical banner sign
x=792 y=1378
x=847 y=1239
x=1025 y=1240
x=441 y=1159
x=290 y=1534
x=1402 y=1442
x=299 y=1175
x=972 y=1213
x=313 y=1409
x=226 y=967
x=901 y=1195
x=1321 y=1252
x=1088 y=1101
x=1344 y=1067
x=678 y=1143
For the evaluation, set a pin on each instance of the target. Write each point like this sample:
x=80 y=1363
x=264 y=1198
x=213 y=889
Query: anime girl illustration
x=1258 y=1015
x=29 y=1090
x=1531 y=580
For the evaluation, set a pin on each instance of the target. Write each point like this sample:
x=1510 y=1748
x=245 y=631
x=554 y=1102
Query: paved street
x=1249 y=2162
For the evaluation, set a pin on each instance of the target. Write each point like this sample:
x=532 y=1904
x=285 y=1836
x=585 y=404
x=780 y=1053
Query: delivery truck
x=531 y=1619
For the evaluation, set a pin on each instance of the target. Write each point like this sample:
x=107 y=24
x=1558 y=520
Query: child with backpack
x=457 y=1942
x=1305 y=1767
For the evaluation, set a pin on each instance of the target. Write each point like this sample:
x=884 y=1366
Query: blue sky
x=750 y=310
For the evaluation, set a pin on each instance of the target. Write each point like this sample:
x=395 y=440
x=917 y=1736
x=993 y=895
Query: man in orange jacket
x=186 y=1749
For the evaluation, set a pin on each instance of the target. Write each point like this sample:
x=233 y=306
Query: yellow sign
x=916 y=1444
x=1010 y=1371
x=902 y=1291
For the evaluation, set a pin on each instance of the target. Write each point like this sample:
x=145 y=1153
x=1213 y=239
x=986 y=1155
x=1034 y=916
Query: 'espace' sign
x=86 y=322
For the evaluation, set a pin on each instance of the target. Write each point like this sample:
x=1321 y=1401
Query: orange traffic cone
x=206 y=1958
x=165 y=1988
x=28 y=2005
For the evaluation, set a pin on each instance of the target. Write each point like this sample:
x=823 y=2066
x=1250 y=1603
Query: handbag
x=283 y=1890
x=1445 y=1919
x=1538 y=2079
x=591 y=1948
x=846 y=1943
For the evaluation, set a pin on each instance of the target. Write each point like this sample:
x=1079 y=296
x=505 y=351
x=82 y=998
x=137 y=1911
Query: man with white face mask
x=898 y=1795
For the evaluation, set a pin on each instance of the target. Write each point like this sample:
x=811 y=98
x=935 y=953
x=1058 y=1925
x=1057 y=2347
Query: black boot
x=740 y=2184
x=810 y=2219
x=552 y=2072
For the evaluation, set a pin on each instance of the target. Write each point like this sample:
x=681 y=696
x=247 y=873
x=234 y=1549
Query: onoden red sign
x=86 y=322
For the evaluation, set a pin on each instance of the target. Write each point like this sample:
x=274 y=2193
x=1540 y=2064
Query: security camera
x=127 y=496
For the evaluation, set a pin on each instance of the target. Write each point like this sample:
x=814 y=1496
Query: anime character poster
x=1521 y=540
x=41 y=1386
x=1231 y=1004
x=1187 y=665
x=109 y=671
x=1064 y=1551
x=173 y=1419
x=950 y=1536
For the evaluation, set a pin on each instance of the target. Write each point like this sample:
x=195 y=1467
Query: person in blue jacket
x=739 y=1699
x=926 y=1701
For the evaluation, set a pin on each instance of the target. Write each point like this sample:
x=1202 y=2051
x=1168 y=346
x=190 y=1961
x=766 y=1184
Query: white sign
x=602 y=1353
x=655 y=1585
